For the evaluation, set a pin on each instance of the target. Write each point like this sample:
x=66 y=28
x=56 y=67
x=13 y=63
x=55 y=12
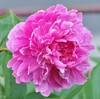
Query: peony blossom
x=51 y=49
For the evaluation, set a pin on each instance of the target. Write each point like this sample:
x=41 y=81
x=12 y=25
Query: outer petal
x=78 y=77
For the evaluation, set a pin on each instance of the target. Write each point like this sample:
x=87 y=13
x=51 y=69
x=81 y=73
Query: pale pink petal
x=78 y=77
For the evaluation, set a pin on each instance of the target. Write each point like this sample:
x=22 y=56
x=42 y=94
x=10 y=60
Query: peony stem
x=3 y=49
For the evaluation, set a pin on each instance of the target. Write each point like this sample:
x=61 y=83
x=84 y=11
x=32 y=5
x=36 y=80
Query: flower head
x=51 y=48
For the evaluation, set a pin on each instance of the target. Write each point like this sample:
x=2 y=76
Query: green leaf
x=17 y=91
x=2 y=80
x=30 y=87
x=34 y=95
x=12 y=90
x=7 y=22
x=2 y=87
x=1 y=59
x=98 y=48
x=91 y=90
x=53 y=96
x=69 y=93
x=95 y=59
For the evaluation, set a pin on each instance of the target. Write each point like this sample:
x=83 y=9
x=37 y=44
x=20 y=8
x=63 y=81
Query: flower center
x=66 y=49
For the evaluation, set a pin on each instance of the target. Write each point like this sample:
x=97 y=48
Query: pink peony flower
x=51 y=48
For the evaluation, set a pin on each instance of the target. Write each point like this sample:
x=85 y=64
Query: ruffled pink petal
x=51 y=48
x=78 y=77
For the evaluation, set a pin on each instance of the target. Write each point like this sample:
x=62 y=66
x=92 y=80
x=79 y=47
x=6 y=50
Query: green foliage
x=30 y=87
x=91 y=90
x=7 y=22
x=34 y=95
x=95 y=59
x=10 y=90
x=98 y=48
x=69 y=93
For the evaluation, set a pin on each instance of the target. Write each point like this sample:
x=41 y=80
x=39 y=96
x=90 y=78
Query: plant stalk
x=3 y=49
